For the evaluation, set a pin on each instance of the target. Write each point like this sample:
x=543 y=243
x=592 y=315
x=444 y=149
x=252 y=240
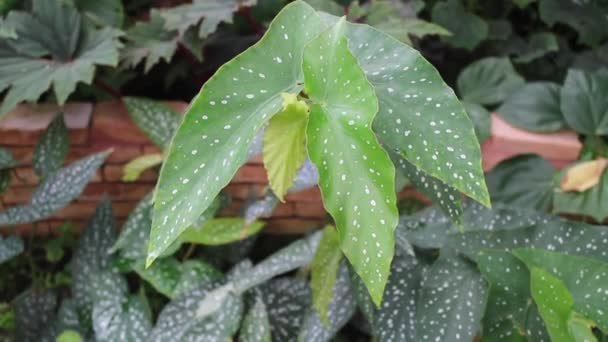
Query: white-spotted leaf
x=154 y=118
x=52 y=148
x=356 y=176
x=10 y=247
x=255 y=326
x=34 y=310
x=287 y=301
x=224 y=118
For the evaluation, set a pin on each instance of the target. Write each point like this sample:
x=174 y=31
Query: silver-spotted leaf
x=52 y=148
x=419 y=116
x=34 y=310
x=356 y=175
x=56 y=191
x=223 y=119
x=324 y=270
x=10 y=247
x=67 y=319
x=154 y=118
x=287 y=301
x=192 y=274
x=255 y=326
x=131 y=242
x=451 y=280
x=260 y=208
x=340 y=310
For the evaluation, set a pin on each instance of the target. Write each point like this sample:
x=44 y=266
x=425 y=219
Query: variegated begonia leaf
x=66 y=319
x=56 y=191
x=221 y=231
x=256 y=326
x=131 y=242
x=341 y=308
x=201 y=314
x=287 y=301
x=133 y=169
x=34 y=310
x=419 y=116
x=222 y=121
x=10 y=247
x=117 y=316
x=324 y=269
x=356 y=176
x=157 y=120
x=446 y=197
x=296 y=254
x=6 y=159
x=585 y=278
x=260 y=208
x=285 y=144
x=455 y=281
x=192 y=274
x=52 y=148
x=91 y=255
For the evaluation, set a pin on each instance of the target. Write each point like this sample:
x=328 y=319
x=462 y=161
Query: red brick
x=234 y=209
x=112 y=126
x=242 y=191
x=286 y=209
x=114 y=173
x=23 y=154
x=251 y=174
x=291 y=226
x=116 y=191
x=310 y=210
x=84 y=210
x=308 y=195
x=17 y=195
x=151 y=149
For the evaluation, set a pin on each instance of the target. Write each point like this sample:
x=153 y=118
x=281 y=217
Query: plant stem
x=107 y=88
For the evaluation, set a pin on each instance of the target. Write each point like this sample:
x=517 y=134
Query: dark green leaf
x=261 y=74
x=34 y=310
x=192 y=274
x=586 y=17
x=525 y=181
x=287 y=301
x=10 y=247
x=6 y=159
x=102 y=13
x=481 y=120
x=488 y=81
x=67 y=319
x=587 y=203
x=52 y=148
x=154 y=118
x=535 y=107
x=255 y=326
x=5 y=180
x=134 y=234
x=538 y=45
x=468 y=30
x=583 y=103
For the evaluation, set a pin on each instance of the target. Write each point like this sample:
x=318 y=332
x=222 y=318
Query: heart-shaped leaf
x=344 y=148
x=190 y=180
x=56 y=191
x=488 y=81
x=586 y=18
x=324 y=269
x=52 y=148
x=468 y=29
x=10 y=247
x=584 y=107
x=587 y=203
x=154 y=118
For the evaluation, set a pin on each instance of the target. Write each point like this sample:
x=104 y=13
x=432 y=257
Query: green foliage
x=324 y=270
x=52 y=148
x=468 y=29
x=133 y=169
x=488 y=81
x=585 y=108
x=221 y=231
x=534 y=107
x=157 y=120
x=10 y=247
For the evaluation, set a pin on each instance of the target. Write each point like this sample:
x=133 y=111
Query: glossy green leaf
x=221 y=231
x=52 y=148
x=10 y=247
x=583 y=104
x=584 y=278
x=340 y=309
x=133 y=169
x=587 y=203
x=117 y=316
x=481 y=120
x=191 y=316
x=154 y=118
x=210 y=145
x=324 y=269
x=34 y=310
x=57 y=30
x=446 y=197
x=255 y=326
x=69 y=336
x=419 y=116
x=285 y=144
x=554 y=303
x=525 y=181
x=287 y=301
x=330 y=7
x=452 y=280
x=488 y=81
x=468 y=29
x=91 y=255
x=581 y=328
x=585 y=17
x=535 y=107
x=356 y=176
x=56 y=191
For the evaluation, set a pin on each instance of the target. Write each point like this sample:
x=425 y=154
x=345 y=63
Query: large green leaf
x=202 y=314
x=588 y=203
x=488 y=81
x=356 y=176
x=109 y=12
x=154 y=118
x=324 y=269
x=117 y=316
x=34 y=310
x=221 y=231
x=586 y=17
x=56 y=191
x=255 y=326
x=468 y=29
x=55 y=48
x=10 y=247
x=584 y=277
x=285 y=144
x=454 y=281
x=419 y=116
x=91 y=255
x=52 y=148
x=583 y=103
x=525 y=181
x=340 y=310
x=210 y=145
x=534 y=107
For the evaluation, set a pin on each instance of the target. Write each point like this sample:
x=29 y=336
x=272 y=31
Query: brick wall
x=94 y=128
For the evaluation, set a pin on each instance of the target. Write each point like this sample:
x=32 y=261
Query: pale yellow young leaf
x=137 y=166
x=584 y=176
